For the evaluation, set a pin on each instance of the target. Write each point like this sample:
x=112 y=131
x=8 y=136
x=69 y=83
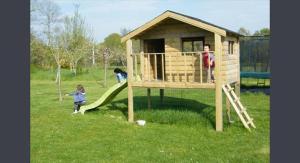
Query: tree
x=93 y=57
x=244 y=31
x=57 y=51
x=116 y=48
x=50 y=13
x=33 y=12
x=262 y=32
x=124 y=31
x=39 y=54
x=75 y=39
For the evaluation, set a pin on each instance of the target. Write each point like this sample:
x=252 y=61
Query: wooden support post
x=163 y=67
x=142 y=57
x=237 y=88
x=228 y=109
x=130 y=76
x=218 y=98
x=155 y=66
x=161 y=94
x=149 y=97
x=237 y=85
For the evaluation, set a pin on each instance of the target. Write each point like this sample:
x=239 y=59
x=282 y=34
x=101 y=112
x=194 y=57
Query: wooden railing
x=164 y=66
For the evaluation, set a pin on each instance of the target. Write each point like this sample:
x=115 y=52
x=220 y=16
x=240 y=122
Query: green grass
x=181 y=129
x=252 y=83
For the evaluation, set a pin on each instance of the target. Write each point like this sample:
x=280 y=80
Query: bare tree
x=57 y=53
x=244 y=31
x=91 y=36
x=106 y=55
x=124 y=31
x=76 y=40
x=49 y=14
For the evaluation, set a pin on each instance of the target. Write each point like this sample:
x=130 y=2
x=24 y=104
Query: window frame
x=230 y=47
x=192 y=39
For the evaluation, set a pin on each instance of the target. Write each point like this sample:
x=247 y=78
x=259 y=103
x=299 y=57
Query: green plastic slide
x=107 y=97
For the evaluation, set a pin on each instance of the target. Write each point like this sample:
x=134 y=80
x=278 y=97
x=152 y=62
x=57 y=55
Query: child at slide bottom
x=79 y=98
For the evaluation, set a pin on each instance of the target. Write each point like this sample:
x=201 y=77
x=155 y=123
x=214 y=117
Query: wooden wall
x=230 y=62
x=172 y=31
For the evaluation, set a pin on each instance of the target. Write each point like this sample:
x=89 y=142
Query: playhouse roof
x=183 y=18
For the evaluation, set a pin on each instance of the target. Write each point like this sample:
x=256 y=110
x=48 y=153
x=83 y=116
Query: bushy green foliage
x=39 y=53
x=262 y=32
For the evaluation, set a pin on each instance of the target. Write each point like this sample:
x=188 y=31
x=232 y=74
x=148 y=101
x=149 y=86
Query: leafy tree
x=38 y=52
x=113 y=44
x=75 y=39
x=244 y=31
x=262 y=32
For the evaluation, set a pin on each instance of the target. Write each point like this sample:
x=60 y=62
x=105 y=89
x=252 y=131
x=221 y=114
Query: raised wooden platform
x=161 y=84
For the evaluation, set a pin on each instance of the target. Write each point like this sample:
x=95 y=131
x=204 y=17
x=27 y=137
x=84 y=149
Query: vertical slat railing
x=209 y=74
x=135 y=66
x=201 y=75
x=149 y=64
x=142 y=64
x=163 y=67
x=155 y=66
x=170 y=67
x=185 y=67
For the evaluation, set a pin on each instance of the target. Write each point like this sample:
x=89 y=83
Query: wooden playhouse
x=170 y=56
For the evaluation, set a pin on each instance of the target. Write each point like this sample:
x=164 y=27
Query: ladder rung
x=243 y=110
x=230 y=89
x=250 y=121
x=237 y=99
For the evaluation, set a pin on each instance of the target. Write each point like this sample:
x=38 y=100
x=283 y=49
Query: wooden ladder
x=238 y=107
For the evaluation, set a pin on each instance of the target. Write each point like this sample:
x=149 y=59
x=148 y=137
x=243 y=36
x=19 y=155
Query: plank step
x=230 y=89
x=250 y=121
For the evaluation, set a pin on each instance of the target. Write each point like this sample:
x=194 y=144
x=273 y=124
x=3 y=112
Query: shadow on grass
x=256 y=89
x=168 y=104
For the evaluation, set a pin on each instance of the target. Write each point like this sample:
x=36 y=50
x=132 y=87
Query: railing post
x=135 y=65
x=155 y=66
x=163 y=66
x=170 y=67
x=149 y=64
x=209 y=75
x=142 y=59
x=201 y=78
x=185 y=68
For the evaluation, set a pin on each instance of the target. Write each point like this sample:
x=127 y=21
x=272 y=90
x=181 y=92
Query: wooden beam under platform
x=160 y=84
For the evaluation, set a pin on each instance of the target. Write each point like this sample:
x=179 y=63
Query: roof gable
x=180 y=17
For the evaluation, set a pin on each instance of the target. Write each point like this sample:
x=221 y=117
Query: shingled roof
x=183 y=18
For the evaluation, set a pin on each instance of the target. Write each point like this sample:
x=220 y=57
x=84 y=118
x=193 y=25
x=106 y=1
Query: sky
x=110 y=16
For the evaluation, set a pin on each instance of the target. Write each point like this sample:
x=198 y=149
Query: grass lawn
x=179 y=130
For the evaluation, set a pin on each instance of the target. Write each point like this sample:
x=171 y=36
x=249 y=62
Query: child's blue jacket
x=78 y=96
